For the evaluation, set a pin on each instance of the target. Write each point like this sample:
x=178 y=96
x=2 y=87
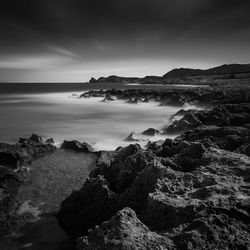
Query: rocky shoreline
x=191 y=192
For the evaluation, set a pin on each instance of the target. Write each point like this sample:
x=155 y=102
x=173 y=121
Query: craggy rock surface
x=177 y=97
x=14 y=162
x=128 y=231
x=188 y=193
x=222 y=115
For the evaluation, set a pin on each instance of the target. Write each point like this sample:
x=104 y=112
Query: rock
x=88 y=207
x=108 y=98
x=190 y=157
x=13 y=155
x=116 y=234
x=35 y=145
x=50 y=141
x=189 y=121
x=156 y=146
x=151 y=132
x=22 y=152
x=131 y=137
x=92 y=80
x=78 y=146
x=36 y=138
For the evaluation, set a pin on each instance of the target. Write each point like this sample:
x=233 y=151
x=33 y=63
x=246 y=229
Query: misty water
x=55 y=112
x=62 y=116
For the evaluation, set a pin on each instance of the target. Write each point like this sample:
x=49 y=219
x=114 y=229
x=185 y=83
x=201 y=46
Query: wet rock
x=116 y=234
x=78 y=146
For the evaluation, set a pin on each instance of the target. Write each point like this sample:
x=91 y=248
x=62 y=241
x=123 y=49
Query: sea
x=55 y=110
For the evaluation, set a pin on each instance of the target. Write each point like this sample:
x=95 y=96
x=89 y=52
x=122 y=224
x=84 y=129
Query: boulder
x=78 y=146
x=50 y=141
x=116 y=234
x=131 y=138
x=151 y=132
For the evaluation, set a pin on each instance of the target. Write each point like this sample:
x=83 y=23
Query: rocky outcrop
x=181 y=75
x=151 y=132
x=223 y=115
x=116 y=234
x=33 y=146
x=206 y=97
x=50 y=141
x=78 y=146
x=132 y=138
x=188 y=193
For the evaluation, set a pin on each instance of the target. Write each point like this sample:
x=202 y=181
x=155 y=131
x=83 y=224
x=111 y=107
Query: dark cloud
x=114 y=29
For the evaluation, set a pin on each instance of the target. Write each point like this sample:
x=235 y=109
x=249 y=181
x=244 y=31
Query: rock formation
x=78 y=146
x=187 y=193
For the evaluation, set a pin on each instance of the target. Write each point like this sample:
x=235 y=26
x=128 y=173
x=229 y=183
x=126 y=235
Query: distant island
x=220 y=74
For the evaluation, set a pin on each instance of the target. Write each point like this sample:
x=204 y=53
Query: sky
x=73 y=40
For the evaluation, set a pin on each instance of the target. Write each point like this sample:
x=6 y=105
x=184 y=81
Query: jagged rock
x=35 y=145
x=156 y=146
x=88 y=207
x=123 y=231
x=93 y=80
x=229 y=138
x=50 y=141
x=22 y=152
x=151 y=132
x=36 y=138
x=13 y=155
x=78 y=146
x=131 y=137
x=189 y=121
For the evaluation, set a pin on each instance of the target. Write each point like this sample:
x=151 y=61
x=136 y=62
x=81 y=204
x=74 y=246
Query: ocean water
x=52 y=111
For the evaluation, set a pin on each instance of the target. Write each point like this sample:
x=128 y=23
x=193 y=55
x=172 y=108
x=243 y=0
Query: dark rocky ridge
x=188 y=193
x=177 y=97
x=185 y=75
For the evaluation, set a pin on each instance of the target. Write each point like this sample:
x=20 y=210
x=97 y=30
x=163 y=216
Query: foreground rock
x=116 y=234
x=188 y=193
